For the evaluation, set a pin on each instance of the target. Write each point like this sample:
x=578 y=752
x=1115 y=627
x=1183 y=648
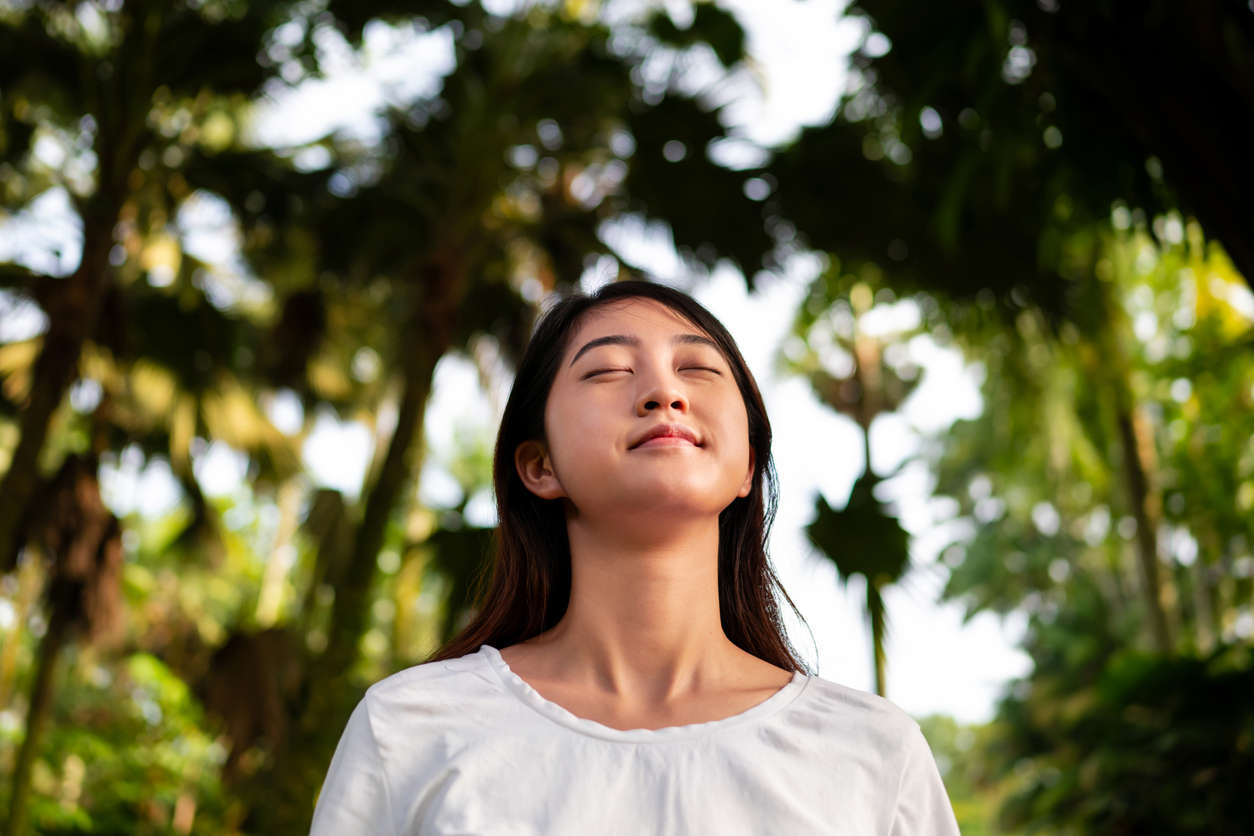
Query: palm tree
x=864 y=538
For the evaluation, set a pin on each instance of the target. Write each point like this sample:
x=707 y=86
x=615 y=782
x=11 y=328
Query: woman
x=627 y=671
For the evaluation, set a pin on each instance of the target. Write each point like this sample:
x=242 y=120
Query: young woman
x=627 y=671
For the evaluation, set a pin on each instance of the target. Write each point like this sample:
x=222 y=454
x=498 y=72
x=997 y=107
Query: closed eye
x=596 y=372
x=603 y=371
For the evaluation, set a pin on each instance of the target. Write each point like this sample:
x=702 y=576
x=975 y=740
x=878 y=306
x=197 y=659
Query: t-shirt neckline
x=519 y=687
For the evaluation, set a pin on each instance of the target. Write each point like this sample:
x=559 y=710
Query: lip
x=666 y=435
x=666 y=441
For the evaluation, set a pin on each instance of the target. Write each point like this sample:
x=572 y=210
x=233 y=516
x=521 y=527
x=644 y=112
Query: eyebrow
x=622 y=339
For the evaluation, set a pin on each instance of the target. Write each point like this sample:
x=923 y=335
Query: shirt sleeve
x=354 y=800
x=922 y=807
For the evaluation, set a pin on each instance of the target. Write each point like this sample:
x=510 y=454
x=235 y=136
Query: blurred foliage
x=231 y=273
x=1105 y=491
x=1046 y=507
x=976 y=142
x=129 y=751
x=1154 y=746
x=1110 y=732
x=238 y=292
x=975 y=790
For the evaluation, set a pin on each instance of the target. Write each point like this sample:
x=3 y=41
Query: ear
x=747 y=486
x=535 y=469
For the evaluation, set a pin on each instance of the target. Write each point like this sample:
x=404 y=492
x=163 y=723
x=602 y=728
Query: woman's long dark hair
x=529 y=587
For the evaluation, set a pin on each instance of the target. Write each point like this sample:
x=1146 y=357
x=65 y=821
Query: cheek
x=738 y=423
x=567 y=427
x=735 y=431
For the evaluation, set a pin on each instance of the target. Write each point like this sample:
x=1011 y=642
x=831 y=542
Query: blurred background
x=265 y=268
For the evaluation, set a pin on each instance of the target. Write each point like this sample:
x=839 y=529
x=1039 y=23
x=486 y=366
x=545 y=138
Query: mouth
x=667 y=435
x=666 y=441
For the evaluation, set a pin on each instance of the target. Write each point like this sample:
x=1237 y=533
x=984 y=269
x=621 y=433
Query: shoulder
x=430 y=689
x=441 y=674
x=890 y=751
x=860 y=721
x=889 y=745
x=397 y=737
x=863 y=707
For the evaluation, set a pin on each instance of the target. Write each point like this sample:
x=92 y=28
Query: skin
x=641 y=644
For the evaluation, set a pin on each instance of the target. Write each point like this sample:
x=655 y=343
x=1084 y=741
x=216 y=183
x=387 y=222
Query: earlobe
x=535 y=469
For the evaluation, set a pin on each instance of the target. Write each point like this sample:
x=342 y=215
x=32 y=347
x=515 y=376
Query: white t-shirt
x=466 y=746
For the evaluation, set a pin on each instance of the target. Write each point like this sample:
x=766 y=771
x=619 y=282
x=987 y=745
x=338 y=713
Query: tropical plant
x=974 y=144
x=864 y=538
x=1055 y=525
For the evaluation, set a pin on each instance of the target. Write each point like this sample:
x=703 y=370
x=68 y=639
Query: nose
x=663 y=392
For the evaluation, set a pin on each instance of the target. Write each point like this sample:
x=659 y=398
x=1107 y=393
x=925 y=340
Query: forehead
x=639 y=317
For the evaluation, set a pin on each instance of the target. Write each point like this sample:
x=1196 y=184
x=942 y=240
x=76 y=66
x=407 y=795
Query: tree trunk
x=1136 y=464
x=302 y=761
x=120 y=106
x=270 y=597
x=1203 y=605
x=1185 y=614
x=50 y=647
x=875 y=609
x=1121 y=599
x=30 y=581
x=1213 y=561
x=431 y=338
x=72 y=308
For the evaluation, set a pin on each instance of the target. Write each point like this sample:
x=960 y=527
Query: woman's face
x=632 y=367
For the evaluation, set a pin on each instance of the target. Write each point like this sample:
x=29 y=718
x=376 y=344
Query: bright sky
x=935 y=662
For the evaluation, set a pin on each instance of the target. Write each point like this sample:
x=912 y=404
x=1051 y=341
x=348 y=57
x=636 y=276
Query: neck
x=643 y=621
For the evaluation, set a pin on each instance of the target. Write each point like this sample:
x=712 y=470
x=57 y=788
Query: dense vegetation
x=1054 y=188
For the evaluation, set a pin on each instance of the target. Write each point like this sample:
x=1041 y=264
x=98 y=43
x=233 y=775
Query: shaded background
x=265 y=268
